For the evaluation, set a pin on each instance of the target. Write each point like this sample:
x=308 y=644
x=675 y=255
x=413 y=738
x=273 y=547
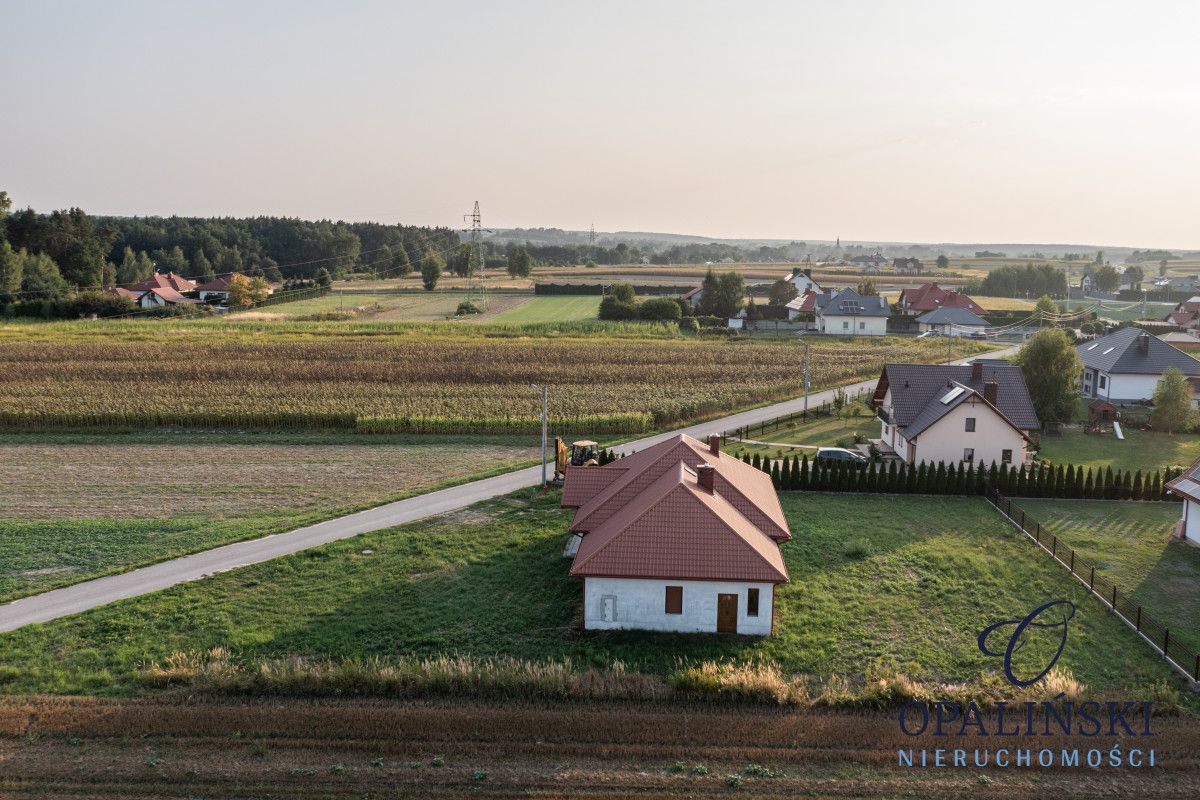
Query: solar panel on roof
x=949 y=396
x=849 y=307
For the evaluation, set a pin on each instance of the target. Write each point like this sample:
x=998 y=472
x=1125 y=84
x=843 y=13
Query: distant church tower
x=839 y=243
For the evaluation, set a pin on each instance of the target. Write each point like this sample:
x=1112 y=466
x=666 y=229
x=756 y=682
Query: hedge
x=1038 y=480
x=599 y=288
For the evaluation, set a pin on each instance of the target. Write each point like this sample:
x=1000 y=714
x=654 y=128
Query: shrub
x=659 y=308
x=467 y=307
x=856 y=549
x=689 y=325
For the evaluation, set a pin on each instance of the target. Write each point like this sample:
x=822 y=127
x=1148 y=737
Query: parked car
x=928 y=334
x=832 y=456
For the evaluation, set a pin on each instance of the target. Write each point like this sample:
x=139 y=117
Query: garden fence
x=825 y=409
x=1177 y=653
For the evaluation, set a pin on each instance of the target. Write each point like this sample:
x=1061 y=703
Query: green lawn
x=1132 y=545
x=80 y=505
x=1124 y=311
x=924 y=575
x=1144 y=450
x=567 y=308
x=805 y=437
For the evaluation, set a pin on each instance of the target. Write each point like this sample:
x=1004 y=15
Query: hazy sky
x=1048 y=121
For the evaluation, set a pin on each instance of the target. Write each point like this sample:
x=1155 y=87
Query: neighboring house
x=1185 y=314
x=802 y=279
x=848 y=313
x=870 y=264
x=1126 y=366
x=694 y=296
x=217 y=290
x=168 y=280
x=121 y=292
x=677 y=537
x=977 y=413
x=951 y=322
x=805 y=303
x=907 y=266
x=930 y=296
x=1187 y=486
x=154 y=298
x=1187 y=342
x=1186 y=283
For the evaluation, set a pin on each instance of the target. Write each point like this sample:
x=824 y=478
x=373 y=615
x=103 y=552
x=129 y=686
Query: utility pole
x=592 y=235
x=476 y=230
x=545 y=390
x=804 y=342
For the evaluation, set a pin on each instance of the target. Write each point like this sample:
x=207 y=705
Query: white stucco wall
x=803 y=283
x=946 y=439
x=857 y=326
x=640 y=604
x=1191 y=521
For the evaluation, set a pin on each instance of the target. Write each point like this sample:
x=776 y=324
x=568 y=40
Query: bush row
x=1038 y=480
x=600 y=288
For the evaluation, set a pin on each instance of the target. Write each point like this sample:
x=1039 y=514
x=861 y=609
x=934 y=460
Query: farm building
x=971 y=414
x=930 y=297
x=1187 y=486
x=802 y=279
x=679 y=537
x=1126 y=366
x=951 y=322
x=848 y=313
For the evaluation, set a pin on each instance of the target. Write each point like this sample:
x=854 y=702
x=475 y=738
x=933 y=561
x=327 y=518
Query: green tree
x=400 y=264
x=5 y=205
x=431 y=270
x=1106 y=278
x=520 y=265
x=1162 y=268
x=127 y=272
x=943 y=263
x=1046 y=305
x=460 y=261
x=1172 y=402
x=40 y=276
x=11 y=268
x=722 y=295
x=171 y=260
x=866 y=287
x=202 y=268
x=382 y=261
x=324 y=278
x=782 y=292
x=1135 y=274
x=1051 y=368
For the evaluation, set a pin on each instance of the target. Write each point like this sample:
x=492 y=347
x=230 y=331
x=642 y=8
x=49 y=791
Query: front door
x=727 y=613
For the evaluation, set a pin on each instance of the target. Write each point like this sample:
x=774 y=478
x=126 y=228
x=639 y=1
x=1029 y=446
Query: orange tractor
x=584 y=453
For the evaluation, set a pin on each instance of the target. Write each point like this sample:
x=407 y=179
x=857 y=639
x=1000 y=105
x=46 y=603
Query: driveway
x=101 y=591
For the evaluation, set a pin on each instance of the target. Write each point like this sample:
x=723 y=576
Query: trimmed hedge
x=598 y=288
x=1038 y=480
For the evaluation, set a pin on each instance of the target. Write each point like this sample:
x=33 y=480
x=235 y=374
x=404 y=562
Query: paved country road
x=101 y=591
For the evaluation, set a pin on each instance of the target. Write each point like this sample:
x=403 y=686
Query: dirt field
x=353 y=749
x=65 y=481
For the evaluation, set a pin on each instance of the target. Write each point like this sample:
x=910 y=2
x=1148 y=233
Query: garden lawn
x=908 y=581
x=568 y=308
x=806 y=437
x=1132 y=544
x=1144 y=450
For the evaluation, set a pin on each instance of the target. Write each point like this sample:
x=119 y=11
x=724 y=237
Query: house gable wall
x=946 y=439
x=640 y=604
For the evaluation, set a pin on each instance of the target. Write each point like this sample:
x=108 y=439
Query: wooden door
x=727 y=605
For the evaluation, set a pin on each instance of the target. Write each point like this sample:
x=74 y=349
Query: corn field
x=418 y=384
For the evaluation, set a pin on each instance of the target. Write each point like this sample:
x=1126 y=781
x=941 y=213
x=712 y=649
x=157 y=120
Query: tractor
x=584 y=453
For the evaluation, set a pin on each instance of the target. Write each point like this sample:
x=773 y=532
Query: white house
x=802 y=279
x=1126 y=366
x=678 y=537
x=957 y=414
x=951 y=322
x=1187 y=486
x=165 y=296
x=848 y=313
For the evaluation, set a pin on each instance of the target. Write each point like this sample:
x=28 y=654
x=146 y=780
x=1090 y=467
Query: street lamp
x=545 y=390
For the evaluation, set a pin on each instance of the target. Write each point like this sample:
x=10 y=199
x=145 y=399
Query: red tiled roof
x=169 y=295
x=217 y=284
x=119 y=292
x=583 y=483
x=748 y=489
x=805 y=303
x=692 y=292
x=930 y=297
x=168 y=281
x=676 y=529
x=1182 y=318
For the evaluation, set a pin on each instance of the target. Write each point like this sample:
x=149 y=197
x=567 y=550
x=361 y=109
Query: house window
x=970 y=425
x=862 y=326
x=1006 y=456
x=969 y=454
x=674 y=599
x=752 y=602
x=845 y=325
x=1103 y=381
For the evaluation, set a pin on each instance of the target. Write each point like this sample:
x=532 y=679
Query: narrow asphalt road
x=101 y=591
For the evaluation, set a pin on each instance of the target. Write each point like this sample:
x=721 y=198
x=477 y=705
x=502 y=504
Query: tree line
x=1027 y=281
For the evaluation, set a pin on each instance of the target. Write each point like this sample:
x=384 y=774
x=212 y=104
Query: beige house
x=969 y=414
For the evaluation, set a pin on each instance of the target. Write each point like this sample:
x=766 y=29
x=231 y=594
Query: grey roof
x=848 y=302
x=1119 y=353
x=951 y=316
x=917 y=391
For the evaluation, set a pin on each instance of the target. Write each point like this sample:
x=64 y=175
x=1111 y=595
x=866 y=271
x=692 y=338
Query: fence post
x=1196 y=672
x=1092 y=584
x=1054 y=547
x=1114 y=600
x=1166 y=639
x=1139 y=619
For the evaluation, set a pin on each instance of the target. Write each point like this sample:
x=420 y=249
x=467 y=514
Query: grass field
x=1133 y=545
x=833 y=431
x=394 y=305
x=606 y=377
x=81 y=505
x=1124 y=311
x=907 y=581
x=1144 y=450
x=552 y=309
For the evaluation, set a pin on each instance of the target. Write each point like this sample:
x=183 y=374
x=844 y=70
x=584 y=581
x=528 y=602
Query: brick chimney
x=976 y=372
x=714 y=444
x=808 y=272
x=704 y=476
x=1143 y=343
x=991 y=390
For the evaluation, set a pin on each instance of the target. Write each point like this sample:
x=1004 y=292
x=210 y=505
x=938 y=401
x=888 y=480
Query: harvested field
x=298 y=749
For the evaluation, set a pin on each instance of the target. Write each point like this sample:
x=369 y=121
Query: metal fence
x=826 y=409
x=1159 y=636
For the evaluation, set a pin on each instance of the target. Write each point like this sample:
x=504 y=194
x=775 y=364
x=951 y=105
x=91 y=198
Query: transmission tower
x=592 y=235
x=475 y=282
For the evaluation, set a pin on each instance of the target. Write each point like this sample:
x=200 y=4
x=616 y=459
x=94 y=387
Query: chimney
x=704 y=476
x=1143 y=343
x=991 y=390
x=976 y=372
x=808 y=272
x=714 y=444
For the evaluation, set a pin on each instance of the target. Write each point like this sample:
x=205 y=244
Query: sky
x=919 y=121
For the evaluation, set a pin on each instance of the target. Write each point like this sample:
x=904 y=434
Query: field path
x=80 y=597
